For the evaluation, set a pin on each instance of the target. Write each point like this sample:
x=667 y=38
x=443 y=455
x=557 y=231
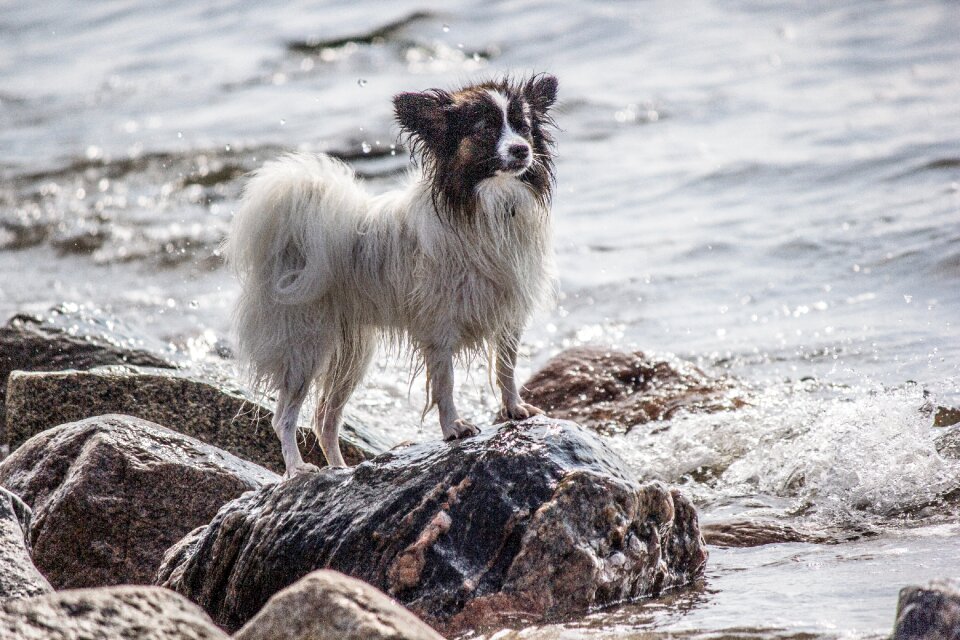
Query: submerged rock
x=612 y=391
x=19 y=578
x=537 y=518
x=327 y=604
x=929 y=613
x=69 y=337
x=144 y=613
x=755 y=533
x=214 y=410
x=111 y=494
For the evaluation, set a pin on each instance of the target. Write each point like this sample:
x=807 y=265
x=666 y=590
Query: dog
x=452 y=265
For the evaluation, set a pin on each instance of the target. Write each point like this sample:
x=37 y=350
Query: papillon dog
x=452 y=265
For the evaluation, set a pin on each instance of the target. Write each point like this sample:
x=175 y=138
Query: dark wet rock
x=754 y=533
x=384 y=32
x=537 y=517
x=946 y=416
x=929 y=613
x=111 y=494
x=70 y=337
x=215 y=410
x=19 y=578
x=340 y=607
x=115 y=613
x=613 y=391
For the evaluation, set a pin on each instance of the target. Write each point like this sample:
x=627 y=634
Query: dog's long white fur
x=328 y=271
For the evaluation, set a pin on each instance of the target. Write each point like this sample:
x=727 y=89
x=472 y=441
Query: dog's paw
x=303 y=467
x=459 y=429
x=520 y=412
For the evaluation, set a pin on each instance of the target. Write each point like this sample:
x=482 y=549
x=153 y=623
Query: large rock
x=340 y=608
x=538 y=517
x=929 y=613
x=115 y=613
x=111 y=494
x=70 y=337
x=612 y=391
x=19 y=577
x=211 y=408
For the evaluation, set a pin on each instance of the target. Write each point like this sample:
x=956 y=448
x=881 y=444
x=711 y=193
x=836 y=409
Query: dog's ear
x=423 y=114
x=541 y=92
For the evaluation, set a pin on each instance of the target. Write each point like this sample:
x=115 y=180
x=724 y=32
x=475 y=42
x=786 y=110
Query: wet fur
x=453 y=263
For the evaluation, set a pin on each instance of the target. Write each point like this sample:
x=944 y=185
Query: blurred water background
x=768 y=189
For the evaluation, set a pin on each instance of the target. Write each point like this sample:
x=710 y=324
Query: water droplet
x=907 y=298
x=365 y=146
x=179 y=134
x=361 y=82
x=194 y=304
x=226 y=147
x=446 y=28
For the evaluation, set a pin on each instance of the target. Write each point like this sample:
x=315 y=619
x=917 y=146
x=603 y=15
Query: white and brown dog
x=453 y=264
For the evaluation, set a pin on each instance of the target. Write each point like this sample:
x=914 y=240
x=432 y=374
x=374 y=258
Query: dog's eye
x=523 y=127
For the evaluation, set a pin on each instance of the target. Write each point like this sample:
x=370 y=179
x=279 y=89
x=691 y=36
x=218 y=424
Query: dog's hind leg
x=439 y=362
x=344 y=374
x=289 y=401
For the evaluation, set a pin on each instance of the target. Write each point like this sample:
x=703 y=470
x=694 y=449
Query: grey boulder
x=205 y=405
x=329 y=605
x=70 y=337
x=114 y=613
x=111 y=494
x=19 y=578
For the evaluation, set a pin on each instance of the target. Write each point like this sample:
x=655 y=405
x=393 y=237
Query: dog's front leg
x=440 y=372
x=513 y=407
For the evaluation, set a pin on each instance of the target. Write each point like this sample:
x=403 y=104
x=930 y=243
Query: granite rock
x=538 y=517
x=209 y=407
x=113 y=613
x=929 y=613
x=70 y=337
x=111 y=494
x=327 y=604
x=19 y=578
x=613 y=391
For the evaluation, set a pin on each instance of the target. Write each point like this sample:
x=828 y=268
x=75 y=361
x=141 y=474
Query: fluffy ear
x=423 y=114
x=541 y=92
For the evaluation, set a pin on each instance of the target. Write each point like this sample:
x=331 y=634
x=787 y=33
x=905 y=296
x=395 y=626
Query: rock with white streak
x=538 y=518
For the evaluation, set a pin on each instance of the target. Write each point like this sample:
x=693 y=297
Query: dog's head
x=493 y=129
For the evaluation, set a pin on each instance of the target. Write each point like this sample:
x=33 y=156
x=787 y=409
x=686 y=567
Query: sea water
x=768 y=189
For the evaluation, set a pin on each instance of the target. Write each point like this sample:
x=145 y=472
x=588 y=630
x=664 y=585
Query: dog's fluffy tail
x=283 y=245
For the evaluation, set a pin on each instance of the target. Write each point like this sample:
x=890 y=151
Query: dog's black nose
x=519 y=151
